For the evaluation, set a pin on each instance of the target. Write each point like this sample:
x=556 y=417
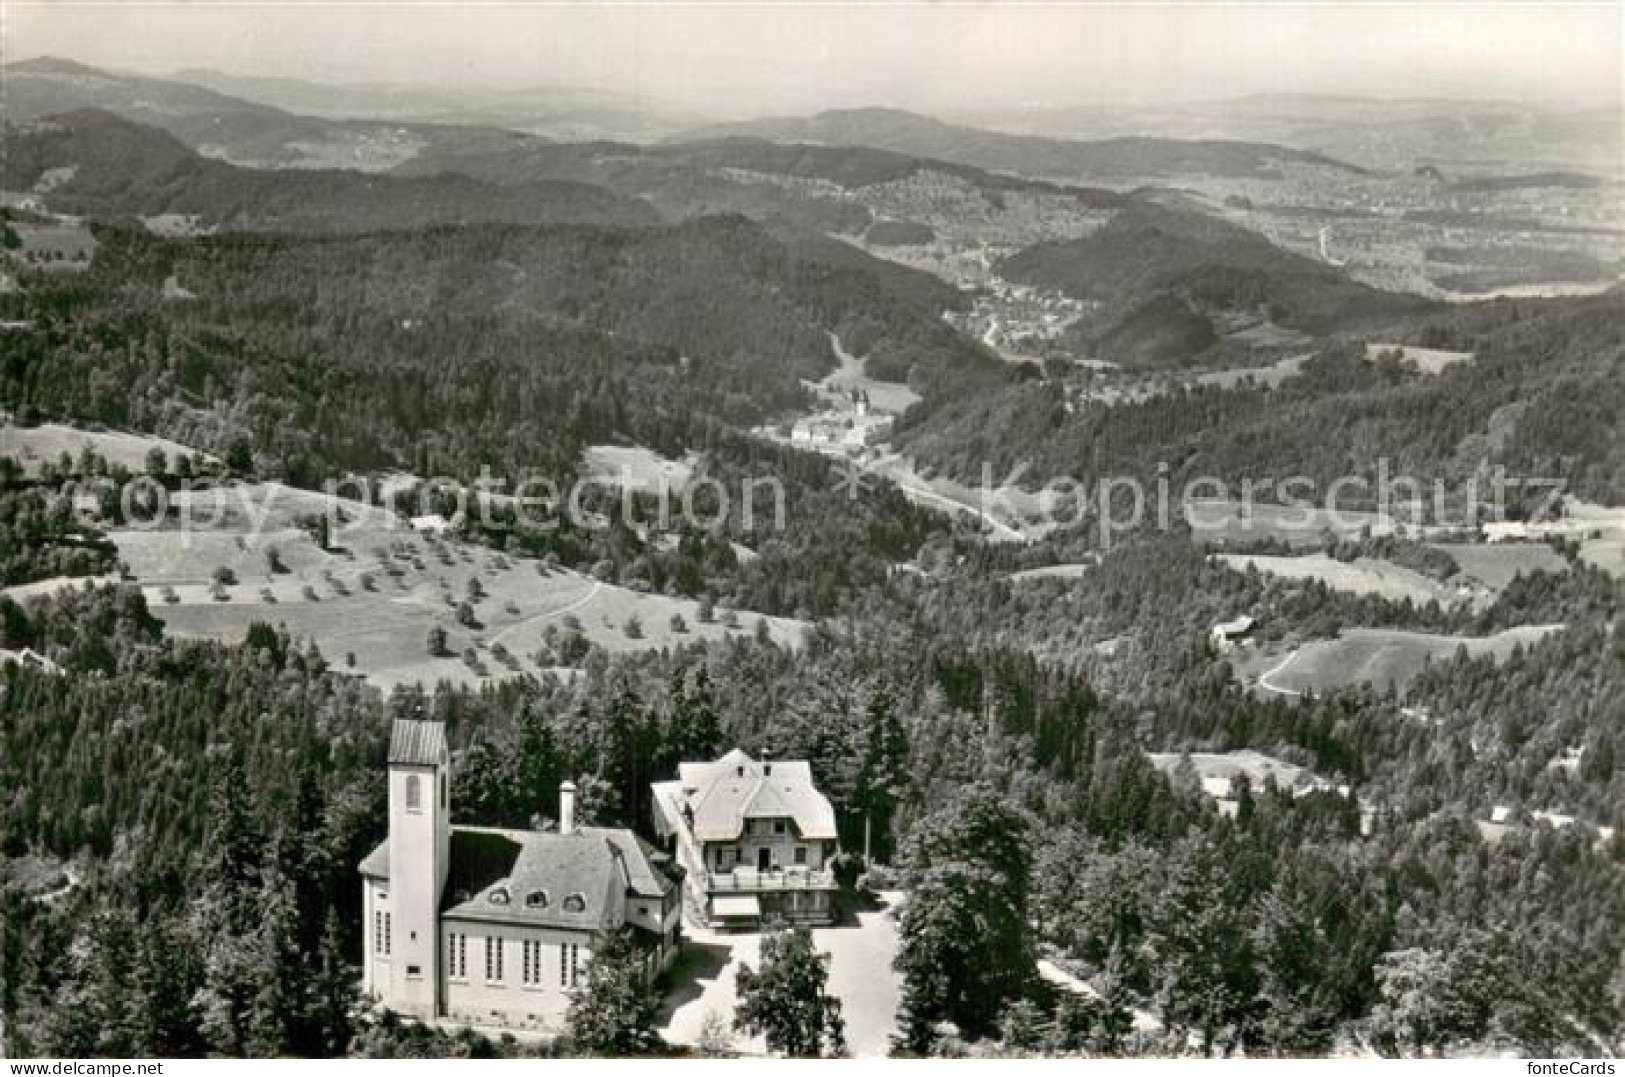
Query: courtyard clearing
x=860 y=975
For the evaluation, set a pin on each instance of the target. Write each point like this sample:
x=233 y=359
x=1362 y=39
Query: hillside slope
x=1152 y=253
x=1050 y=158
x=118 y=168
x=828 y=188
x=219 y=124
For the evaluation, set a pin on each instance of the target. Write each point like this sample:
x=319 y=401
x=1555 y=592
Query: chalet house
x=495 y=927
x=1226 y=636
x=756 y=840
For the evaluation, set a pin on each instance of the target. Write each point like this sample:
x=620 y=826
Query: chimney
x=567 y=807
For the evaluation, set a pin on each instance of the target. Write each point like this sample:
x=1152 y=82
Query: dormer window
x=575 y=903
x=499 y=896
x=536 y=899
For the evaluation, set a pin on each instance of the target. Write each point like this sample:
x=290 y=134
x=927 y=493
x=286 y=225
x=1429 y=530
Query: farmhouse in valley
x=495 y=927
x=756 y=839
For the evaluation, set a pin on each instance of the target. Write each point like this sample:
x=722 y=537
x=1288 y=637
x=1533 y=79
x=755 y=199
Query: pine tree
x=613 y=1014
x=785 y=1001
x=332 y=994
x=965 y=949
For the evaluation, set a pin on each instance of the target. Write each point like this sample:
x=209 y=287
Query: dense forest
x=1541 y=398
x=180 y=820
x=1286 y=927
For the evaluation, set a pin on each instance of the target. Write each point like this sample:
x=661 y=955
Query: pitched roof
x=595 y=864
x=417 y=743
x=723 y=794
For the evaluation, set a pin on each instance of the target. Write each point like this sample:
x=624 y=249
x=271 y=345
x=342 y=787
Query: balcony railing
x=752 y=881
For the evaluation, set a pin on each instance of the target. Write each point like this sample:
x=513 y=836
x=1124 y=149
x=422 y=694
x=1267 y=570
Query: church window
x=414 y=793
x=493 y=960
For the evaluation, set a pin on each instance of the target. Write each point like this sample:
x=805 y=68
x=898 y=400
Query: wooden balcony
x=752 y=881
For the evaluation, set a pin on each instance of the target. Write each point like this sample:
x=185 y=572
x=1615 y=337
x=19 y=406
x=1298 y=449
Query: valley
x=1168 y=585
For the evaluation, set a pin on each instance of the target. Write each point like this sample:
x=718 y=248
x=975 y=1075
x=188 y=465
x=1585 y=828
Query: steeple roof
x=414 y=742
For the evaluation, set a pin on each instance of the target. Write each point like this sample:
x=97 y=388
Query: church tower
x=419 y=858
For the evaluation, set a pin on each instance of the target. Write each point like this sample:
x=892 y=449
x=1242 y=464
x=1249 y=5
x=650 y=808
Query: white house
x=495 y=927
x=756 y=839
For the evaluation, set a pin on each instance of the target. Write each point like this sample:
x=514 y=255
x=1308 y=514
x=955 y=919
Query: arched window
x=414 y=793
x=575 y=903
x=536 y=899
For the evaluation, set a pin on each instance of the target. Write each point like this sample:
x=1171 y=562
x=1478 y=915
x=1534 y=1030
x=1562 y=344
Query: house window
x=380 y=934
x=801 y=854
x=575 y=903
x=499 y=896
x=536 y=899
x=414 y=793
x=778 y=826
x=569 y=964
x=457 y=957
x=493 y=960
x=442 y=790
x=533 y=964
x=414 y=971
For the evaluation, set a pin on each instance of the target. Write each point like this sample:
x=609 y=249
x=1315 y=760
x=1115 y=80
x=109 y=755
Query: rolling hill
x=1474 y=136
x=109 y=167
x=1161 y=273
x=1119 y=159
x=827 y=188
x=562 y=112
x=220 y=125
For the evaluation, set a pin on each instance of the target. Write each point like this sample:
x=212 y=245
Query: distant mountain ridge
x=217 y=124
x=559 y=112
x=1043 y=158
x=1376 y=133
x=117 y=168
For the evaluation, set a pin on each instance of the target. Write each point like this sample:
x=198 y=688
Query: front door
x=764 y=859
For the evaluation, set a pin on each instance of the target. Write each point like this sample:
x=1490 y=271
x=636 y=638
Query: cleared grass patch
x=637 y=468
x=1496 y=564
x=33 y=446
x=370 y=603
x=1427 y=360
x=1362 y=576
x=1217 y=769
x=1384 y=657
x=1224 y=520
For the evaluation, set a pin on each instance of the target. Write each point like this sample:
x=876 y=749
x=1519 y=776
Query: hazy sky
x=740 y=58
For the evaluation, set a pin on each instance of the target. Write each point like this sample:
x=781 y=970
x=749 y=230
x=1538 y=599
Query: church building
x=494 y=927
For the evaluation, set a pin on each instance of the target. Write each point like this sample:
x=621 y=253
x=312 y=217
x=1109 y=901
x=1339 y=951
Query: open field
x=1071 y=571
x=1362 y=576
x=1223 y=520
x=370 y=601
x=634 y=467
x=1383 y=657
x=849 y=376
x=33 y=445
x=1427 y=360
x=58 y=245
x=380 y=600
x=1216 y=769
x=1271 y=376
x=1599 y=529
x=1495 y=564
